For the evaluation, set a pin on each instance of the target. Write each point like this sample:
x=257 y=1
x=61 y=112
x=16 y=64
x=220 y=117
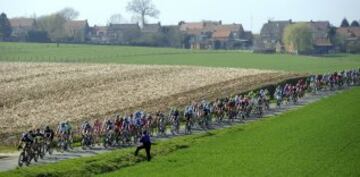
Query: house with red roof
x=215 y=35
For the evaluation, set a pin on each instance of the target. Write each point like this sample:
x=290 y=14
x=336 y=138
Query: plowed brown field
x=34 y=95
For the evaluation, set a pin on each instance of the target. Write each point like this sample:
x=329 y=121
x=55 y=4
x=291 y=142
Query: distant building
x=320 y=36
x=98 y=34
x=225 y=36
x=169 y=28
x=203 y=26
x=271 y=36
x=215 y=35
x=350 y=39
x=246 y=40
x=198 y=33
x=123 y=33
x=20 y=27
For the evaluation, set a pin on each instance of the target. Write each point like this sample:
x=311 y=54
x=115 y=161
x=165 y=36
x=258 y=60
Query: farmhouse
x=20 y=27
x=350 y=39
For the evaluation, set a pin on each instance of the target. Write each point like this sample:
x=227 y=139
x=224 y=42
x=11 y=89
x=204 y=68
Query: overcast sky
x=251 y=13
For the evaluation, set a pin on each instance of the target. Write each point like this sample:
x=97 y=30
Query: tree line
x=345 y=23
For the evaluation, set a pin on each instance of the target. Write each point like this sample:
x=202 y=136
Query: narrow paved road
x=9 y=161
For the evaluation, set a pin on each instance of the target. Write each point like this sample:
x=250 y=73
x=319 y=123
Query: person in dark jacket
x=146 y=144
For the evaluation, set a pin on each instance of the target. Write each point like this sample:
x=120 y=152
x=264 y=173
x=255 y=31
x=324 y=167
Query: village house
x=320 y=33
x=350 y=39
x=20 y=27
x=123 y=33
x=224 y=36
x=221 y=38
x=77 y=31
x=98 y=34
x=199 y=39
x=198 y=33
x=231 y=36
x=271 y=36
x=215 y=35
x=320 y=37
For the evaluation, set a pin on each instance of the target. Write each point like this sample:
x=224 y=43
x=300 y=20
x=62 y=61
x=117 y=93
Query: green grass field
x=165 y=56
x=321 y=139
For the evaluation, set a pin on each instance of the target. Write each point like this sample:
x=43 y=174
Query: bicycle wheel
x=21 y=159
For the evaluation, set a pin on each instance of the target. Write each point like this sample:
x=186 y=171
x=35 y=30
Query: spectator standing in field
x=146 y=144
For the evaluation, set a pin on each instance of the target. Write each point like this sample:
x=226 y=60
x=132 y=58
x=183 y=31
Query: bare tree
x=54 y=25
x=143 y=8
x=116 y=19
x=69 y=13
